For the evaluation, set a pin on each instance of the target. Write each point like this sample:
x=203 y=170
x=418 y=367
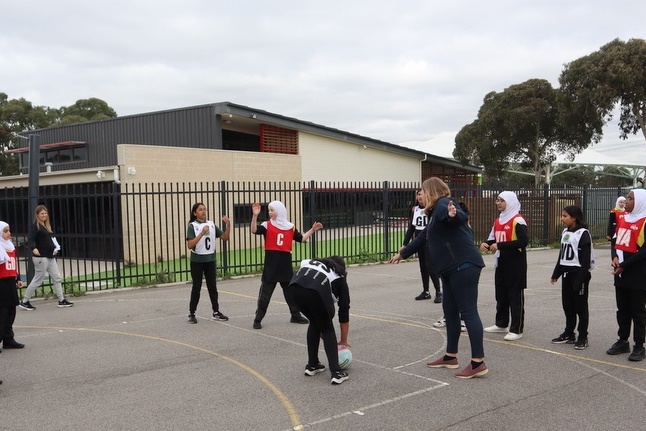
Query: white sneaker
x=440 y=323
x=463 y=327
x=511 y=336
x=495 y=328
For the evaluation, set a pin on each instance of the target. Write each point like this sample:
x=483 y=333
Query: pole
x=34 y=174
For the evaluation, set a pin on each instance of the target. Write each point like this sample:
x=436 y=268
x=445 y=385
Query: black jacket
x=40 y=238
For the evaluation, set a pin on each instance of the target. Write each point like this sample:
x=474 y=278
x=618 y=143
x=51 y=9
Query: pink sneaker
x=441 y=363
x=468 y=371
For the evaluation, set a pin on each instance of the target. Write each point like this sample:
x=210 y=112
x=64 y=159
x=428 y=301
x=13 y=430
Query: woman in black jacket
x=44 y=248
x=454 y=256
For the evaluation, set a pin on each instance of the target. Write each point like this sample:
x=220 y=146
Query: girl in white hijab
x=629 y=263
x=280 y=220
x=279 y=234
x=6 y=245
x=509 y=239
x=617 y=213
x=9 y=285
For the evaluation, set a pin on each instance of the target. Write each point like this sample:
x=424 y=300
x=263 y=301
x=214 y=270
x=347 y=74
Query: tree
x=19 y=116
x=526 y=124
x=609 y=78
x=92 y=109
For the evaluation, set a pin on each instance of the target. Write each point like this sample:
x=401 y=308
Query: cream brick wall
x=162 y=165
x=173 y=164
x=331 y=160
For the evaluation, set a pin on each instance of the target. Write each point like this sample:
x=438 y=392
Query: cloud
x=413 y=71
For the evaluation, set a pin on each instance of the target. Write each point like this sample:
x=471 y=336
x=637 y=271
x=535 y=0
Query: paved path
x=126 y=360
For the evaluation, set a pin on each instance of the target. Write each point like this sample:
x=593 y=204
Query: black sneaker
x=219 y=316
x=311 y=370
x=339 y=377
x=256 y=324
x=191 y=318
x=438 y=298
x=12 y=344
x=638 y=354
x=564 y=339
x=26 y=306
x=621 y=346
x=64 y=303
x=423 y=295
x=581 y=343
x=299 y=319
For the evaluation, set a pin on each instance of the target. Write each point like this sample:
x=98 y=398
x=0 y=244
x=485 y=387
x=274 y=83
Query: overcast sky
x=410 y=72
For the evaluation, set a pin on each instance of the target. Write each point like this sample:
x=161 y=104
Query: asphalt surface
x=126 y=360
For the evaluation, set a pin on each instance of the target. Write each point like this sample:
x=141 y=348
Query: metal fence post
x=313 y=216
x=117 y=233
x=224 y=205
x=385 y=206
x=546 y=214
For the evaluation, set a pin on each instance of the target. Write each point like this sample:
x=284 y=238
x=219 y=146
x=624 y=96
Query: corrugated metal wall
x=194 y=127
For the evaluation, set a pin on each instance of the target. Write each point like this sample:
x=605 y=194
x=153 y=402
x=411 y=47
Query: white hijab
x=639 y=210
x=281 y=221
x=5 y=244
x=619 y=199
x=512 y=208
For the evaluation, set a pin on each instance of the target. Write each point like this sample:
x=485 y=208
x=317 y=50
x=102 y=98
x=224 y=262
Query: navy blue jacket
x=448 y=240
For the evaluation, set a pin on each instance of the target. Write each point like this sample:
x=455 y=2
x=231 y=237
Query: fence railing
x=116 y=235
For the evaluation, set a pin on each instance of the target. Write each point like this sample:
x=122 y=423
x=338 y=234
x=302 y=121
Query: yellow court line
x=289 y=407
x=568 y=355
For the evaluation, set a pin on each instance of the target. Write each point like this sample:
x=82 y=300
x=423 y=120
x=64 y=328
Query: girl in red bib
x=629 y=262
x=508 y=240
x=9 y=285
x=616 y=214
x=279 y=235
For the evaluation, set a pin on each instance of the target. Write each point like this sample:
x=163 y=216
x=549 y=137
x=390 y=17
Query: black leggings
x=575 y=303
x=424 y=265
x=206 y=269
x=264 y=296
x=321 y=326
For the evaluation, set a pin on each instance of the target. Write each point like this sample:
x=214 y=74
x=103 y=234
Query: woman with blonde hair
x=454 y=256
x=44 y=247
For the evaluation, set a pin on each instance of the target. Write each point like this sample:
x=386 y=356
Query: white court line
x=361 y=410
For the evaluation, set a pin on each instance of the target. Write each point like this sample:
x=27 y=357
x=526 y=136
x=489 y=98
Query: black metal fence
x=116 y=235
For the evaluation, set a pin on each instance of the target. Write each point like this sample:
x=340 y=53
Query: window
x=59 y=153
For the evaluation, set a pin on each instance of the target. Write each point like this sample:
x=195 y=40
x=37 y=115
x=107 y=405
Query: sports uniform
x=279 y=235
x=576 y=259
x=416 y=226
x=203 y=264
x=509 y=233
x=616 y=214
x=629 y=250
x=316 y=288
x=9 y=278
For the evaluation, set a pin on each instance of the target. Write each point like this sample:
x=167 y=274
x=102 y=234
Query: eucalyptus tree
x=614 y=77
x=526 y=125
